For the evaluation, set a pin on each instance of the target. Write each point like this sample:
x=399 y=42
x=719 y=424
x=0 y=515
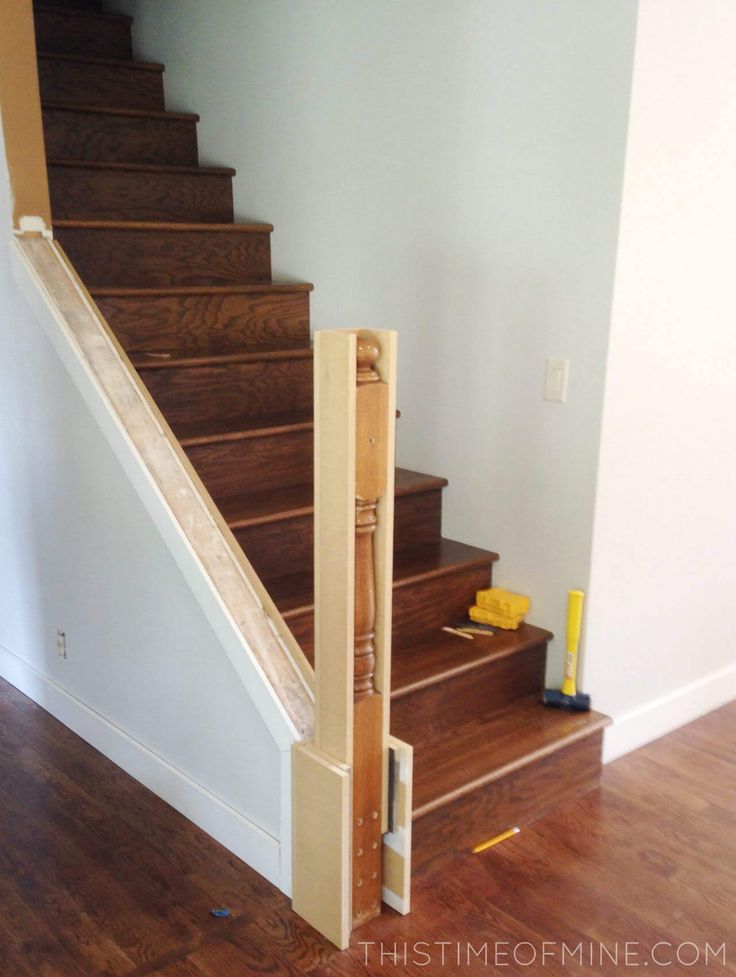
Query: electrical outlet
x=61 y=644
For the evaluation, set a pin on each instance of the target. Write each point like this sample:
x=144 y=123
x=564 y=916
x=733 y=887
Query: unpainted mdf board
x=321 y=837
x=20 y=106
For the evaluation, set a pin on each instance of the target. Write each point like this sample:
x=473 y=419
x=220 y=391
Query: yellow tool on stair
x=499 y=608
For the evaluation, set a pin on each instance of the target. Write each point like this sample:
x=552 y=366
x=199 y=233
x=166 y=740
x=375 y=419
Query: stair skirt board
x=264 y=656
x=224 y=352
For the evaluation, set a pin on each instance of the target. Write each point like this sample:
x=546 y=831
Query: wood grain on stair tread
x=139 y=192
x=420 y=608
x=208 y=320
x=100 y=81
x=203 y=431
x=73 y=31
x=266 y=458
x=446 y=656
x=231 y=391
x=447 y=767
x=88 y=132
x=151 y=254
x=275 y=526
x=145 y=361
x=291 y=500
x=295 y=596
x=523 y=794
x=474 y=694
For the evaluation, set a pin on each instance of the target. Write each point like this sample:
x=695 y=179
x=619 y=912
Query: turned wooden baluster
x=370 y=485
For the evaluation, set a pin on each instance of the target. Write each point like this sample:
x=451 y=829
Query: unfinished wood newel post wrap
x=338 y=861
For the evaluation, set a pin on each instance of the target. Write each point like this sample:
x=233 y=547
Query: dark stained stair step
x=272 y=451
x=150 y=254
x=433 y=585
x=118 y=135
x=445 y=680
x=87 y=32
x=101 y=81
x=276 y=527
x=208 y=321
x=84 y=190
x=230 y=389
x=488 y=775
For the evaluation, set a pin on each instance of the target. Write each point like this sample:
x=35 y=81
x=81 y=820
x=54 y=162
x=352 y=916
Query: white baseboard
x=239 y=835
x=649 y=722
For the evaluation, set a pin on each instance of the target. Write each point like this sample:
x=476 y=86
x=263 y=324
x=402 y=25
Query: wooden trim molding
x=20 y=107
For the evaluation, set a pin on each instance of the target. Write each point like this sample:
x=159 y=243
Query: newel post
x=340 y=780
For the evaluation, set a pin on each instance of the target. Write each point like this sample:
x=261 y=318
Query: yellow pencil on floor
x=497 y=840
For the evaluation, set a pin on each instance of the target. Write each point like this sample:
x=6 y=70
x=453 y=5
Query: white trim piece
x=654 y=719
x=285 y=831
x=35 y=225
x=398 y=840
x=393 y=900
x=239 y=835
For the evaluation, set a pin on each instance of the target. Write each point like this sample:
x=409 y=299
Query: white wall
x=660 y=643
x=146 y=678
x=451 y=170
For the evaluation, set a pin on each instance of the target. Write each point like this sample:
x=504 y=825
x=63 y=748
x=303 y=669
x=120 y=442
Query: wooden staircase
x=225 y=352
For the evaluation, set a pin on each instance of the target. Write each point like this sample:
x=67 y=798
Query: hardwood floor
x=100 y=877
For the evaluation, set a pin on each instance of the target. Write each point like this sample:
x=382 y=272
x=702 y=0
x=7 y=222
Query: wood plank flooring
x=99 y=877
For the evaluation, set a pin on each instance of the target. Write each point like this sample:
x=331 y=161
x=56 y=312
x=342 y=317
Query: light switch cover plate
x=555 y=380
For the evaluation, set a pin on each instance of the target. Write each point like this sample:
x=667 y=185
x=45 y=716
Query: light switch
x=555 y=380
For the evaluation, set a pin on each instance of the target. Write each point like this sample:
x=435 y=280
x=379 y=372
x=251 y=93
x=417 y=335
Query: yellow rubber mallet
x=568 y=697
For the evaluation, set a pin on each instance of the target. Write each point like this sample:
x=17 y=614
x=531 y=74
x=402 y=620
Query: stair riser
x=236 y=390
x=517 y=798
x=418 y=608
x=472 y=695
x=202 y=325
x=143 y=258
x=110 y=86
x=119 y=139
x=96 y=37
x=287 y=546
x=425 y=607
x=96 y=194
x=254 y=464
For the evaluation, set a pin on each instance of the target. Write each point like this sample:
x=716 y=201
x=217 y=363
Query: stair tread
x=153 y=66
x=293 y=593
x=246 y=288
x=255 y=508
x=210 y=432
x=143 y=361
x=177 y=226
x=457 y=760
x=111 y=15
x=142 y=167
x=442 y=656
x=126 y=113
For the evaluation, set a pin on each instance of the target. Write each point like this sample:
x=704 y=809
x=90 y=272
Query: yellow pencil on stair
x=497 y=840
